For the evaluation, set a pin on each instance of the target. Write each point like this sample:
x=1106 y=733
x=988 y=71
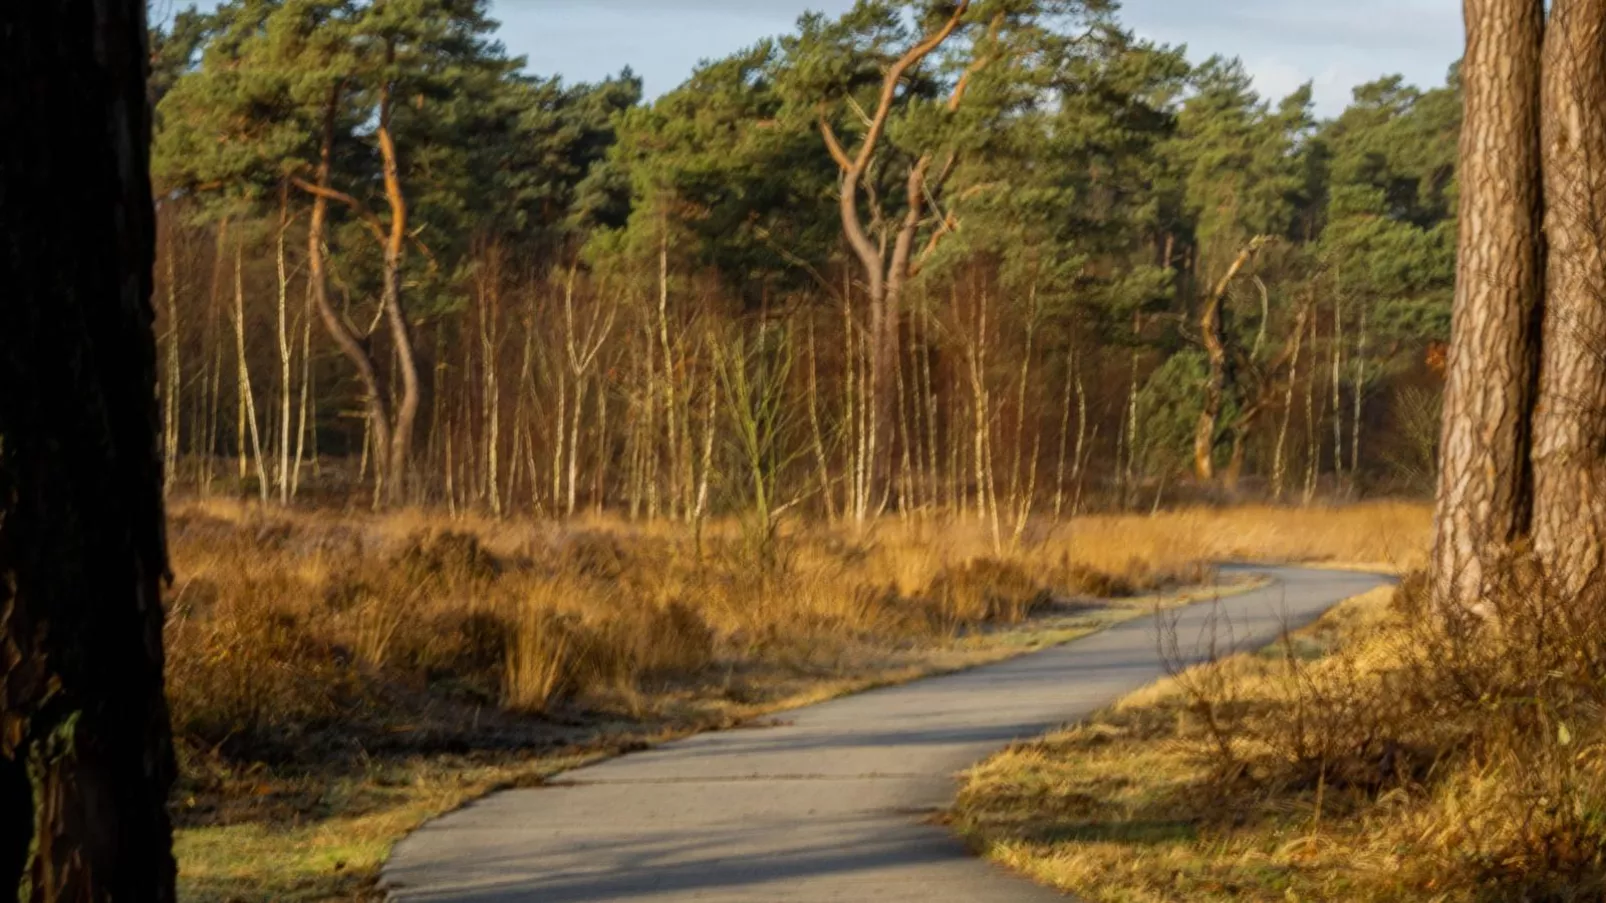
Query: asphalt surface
x=830 y=802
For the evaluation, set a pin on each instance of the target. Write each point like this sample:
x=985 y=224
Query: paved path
x=830 y=804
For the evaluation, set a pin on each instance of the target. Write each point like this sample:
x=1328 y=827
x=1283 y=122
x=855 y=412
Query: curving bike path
x=832 y=802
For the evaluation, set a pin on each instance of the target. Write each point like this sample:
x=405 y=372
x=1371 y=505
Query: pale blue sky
x=1335 y=43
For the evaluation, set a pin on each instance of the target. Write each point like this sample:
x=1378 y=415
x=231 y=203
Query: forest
x=1001 y=260
x=408 y=425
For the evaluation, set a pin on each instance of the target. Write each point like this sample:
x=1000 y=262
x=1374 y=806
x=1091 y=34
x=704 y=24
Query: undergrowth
x=337 y=678
x=1388 y=753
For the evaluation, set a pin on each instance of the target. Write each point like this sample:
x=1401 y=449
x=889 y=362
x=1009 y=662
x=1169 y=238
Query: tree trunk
x=248 y=406
x=401 y=435
x=213 y=362
x=1212 y=333
x=818 y=434
x=1483 y=499
x=173 y=387
x=1313 y=447
x=86 y=757
x=1065 y=431
x=1279 y=467
x=302 y=420
x=286 y=390
x=1358 y=399
x=1337 y=373
x=885 y=279
x=345 y=338
x=1569 y=439
x=671 y=406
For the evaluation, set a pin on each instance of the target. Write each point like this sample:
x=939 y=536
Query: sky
x=1336 y=44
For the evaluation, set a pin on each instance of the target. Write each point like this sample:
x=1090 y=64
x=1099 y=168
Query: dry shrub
x=1391 y=534
x=984 y=590
x=296 y=630
x=570 y=636
x=447 y=556
x=1468 y=753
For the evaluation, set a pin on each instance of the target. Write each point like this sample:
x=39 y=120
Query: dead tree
x=1212 y=334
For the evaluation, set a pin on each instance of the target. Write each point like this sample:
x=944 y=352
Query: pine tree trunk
x=406 y=409
x=86 y=758
x=1483 y=495
x=1212 y=332
x=1569 y=441
x=378 y=418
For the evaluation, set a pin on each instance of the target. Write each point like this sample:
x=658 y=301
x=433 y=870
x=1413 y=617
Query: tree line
x=1001 y=258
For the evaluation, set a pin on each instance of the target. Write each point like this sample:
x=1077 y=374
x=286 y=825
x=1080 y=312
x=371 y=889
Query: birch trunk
x=248 y=408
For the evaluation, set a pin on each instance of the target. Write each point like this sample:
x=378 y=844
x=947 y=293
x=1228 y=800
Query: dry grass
x=336 y=679
x=1384 y=754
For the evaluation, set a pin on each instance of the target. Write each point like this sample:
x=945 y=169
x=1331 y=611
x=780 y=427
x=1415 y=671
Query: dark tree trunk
x=86 y=756
x=1483 y=499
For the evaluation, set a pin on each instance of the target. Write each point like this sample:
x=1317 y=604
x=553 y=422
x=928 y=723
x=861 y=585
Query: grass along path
x=1385 y=754
x=830 y=802
x=334 y=835
x=1236 y=780
x=338 y=678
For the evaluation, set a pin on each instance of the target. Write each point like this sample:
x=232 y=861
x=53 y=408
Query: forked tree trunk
x=86 y=757
x=1569 y=447
x=1212 y=333
x=886 y=275
x=1482 y=502
x=345 y=338
x=406 y=413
